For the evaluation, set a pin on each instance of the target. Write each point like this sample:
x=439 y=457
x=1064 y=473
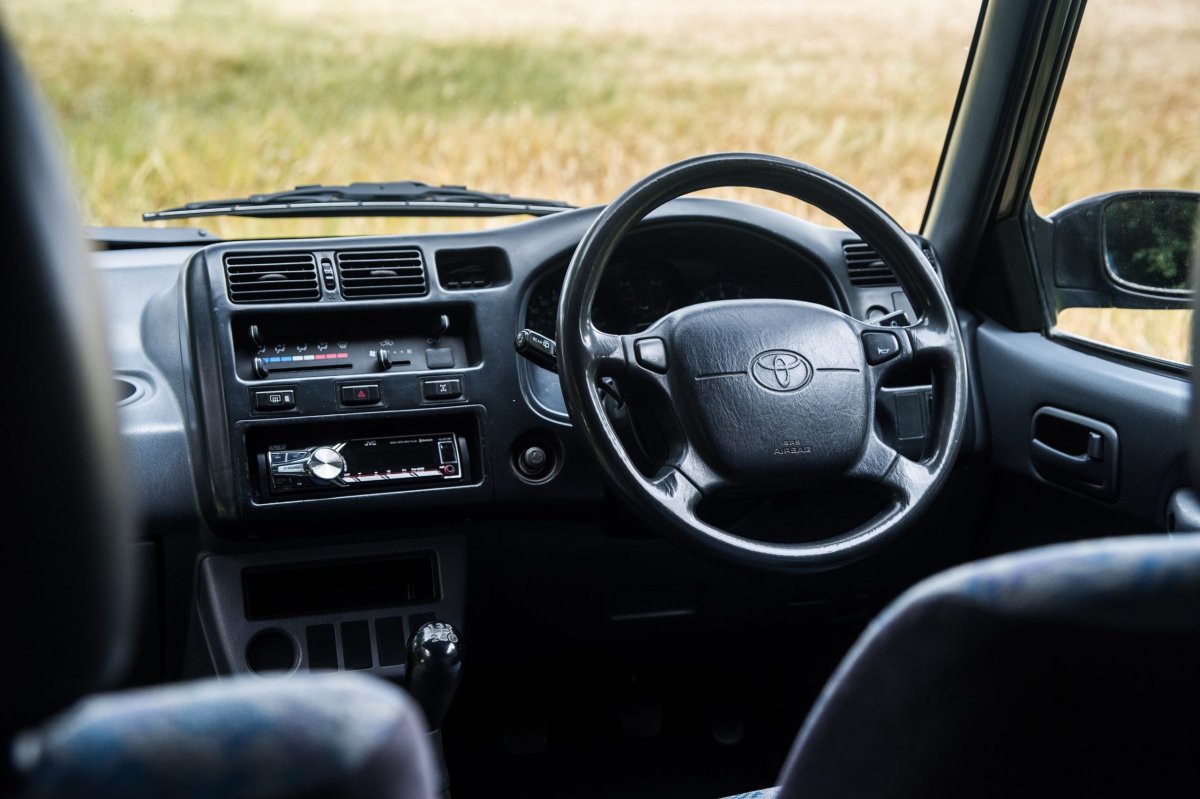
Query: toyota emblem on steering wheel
x=780 y=370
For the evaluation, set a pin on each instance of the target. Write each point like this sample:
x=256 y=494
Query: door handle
x=1084 y=467
x=1075 y=451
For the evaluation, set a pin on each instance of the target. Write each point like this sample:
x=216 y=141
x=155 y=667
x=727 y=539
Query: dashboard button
x=277 y=399
x=880 y=347
x=439 y=358
x=364 y=394
x=442 y=389
x=652 y=354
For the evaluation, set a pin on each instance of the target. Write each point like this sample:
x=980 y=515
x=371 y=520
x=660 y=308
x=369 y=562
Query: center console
x=337 y=394
x=328 y=609
x=330 y=382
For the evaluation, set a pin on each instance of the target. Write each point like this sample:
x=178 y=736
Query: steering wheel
x=765 y=394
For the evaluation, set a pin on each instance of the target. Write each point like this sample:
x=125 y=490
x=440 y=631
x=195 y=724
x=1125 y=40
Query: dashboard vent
x=866 y=268
x=468 y=276
x=272 y=277
x=481 y=268
x=366 y=274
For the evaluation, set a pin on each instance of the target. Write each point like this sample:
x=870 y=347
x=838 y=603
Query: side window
x=1118 y=176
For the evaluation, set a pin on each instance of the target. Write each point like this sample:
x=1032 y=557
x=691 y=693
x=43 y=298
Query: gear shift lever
x=434 y=669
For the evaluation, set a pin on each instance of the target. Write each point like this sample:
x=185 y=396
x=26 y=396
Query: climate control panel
x=270 y=347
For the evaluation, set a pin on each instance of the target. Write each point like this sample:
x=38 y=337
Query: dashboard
x=292 y=408
x=341 y=346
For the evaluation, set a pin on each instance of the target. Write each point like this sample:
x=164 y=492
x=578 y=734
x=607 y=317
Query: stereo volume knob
x=325 y=463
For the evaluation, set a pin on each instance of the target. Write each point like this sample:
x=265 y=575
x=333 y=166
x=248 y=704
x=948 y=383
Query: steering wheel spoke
x=698 y=472
x=605 y=351
x=907 y=479
x=675 y=490
x=688 y=478
x=880 y=464
x=928 y=341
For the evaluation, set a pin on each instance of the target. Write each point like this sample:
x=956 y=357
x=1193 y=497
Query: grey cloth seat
x=1068 y=670
x=337 y=735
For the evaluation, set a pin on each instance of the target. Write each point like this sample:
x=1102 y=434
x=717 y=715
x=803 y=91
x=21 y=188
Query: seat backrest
x=68 y=565
x=1072 y=669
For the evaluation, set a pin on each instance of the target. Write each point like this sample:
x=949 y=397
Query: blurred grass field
x=164 y=102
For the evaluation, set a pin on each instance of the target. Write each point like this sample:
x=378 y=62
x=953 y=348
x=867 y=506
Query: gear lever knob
x=434 y=669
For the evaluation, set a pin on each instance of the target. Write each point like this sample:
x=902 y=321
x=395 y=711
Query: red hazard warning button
x=363 y=394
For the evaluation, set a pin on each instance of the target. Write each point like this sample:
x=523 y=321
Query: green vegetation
x=1148 y=240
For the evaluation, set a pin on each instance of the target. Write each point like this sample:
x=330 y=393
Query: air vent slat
x=865 y=267
x=280 y=274
x=365 y=274
x=391 y=280
x=350 y=258
x=267 y=267
x=251 y=260
x=272 y=277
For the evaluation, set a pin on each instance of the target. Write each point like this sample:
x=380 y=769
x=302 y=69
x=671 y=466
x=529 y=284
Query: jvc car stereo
x=392 y=462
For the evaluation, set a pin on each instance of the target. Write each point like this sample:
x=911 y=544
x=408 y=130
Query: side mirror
x=1129 y=249
x=1148 y=238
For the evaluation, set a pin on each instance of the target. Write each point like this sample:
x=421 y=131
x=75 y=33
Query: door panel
x=1140 y=417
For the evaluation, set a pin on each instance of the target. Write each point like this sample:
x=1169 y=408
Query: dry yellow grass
x=164 y=102
x=161 y=102
x=1162 y=333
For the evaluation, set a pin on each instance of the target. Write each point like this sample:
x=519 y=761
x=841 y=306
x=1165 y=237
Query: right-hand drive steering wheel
x=767 y=394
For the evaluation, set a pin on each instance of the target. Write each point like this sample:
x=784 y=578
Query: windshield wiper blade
x=397 y=198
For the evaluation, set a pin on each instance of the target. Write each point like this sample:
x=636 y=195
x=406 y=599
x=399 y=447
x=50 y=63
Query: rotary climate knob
x=325 y=463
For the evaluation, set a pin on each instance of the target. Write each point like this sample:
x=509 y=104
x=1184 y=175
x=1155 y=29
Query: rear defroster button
x=279 y=399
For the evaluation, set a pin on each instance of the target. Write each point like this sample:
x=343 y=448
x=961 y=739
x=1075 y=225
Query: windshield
x=164 y=102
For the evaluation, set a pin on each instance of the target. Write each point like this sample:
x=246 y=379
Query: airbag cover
x=778 y=389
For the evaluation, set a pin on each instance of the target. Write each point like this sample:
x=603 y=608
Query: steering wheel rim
x=669 y=499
